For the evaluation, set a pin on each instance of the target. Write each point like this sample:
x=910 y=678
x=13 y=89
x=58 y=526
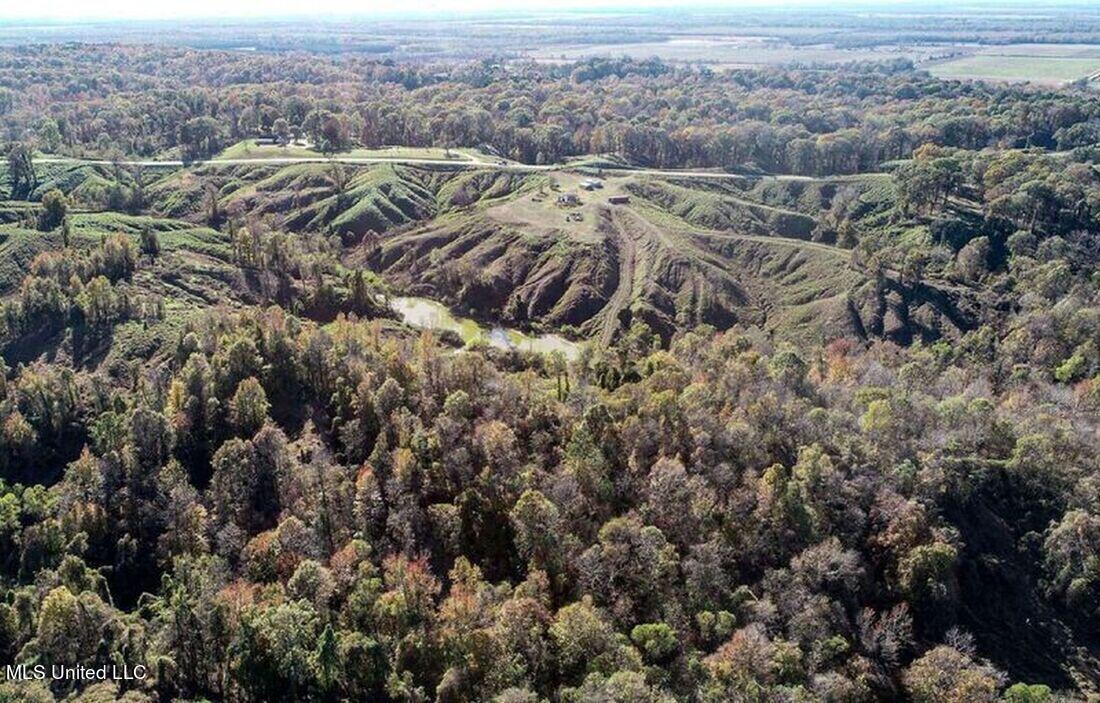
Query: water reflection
x=422 y=312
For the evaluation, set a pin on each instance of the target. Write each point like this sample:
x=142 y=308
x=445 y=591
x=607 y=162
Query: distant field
x=734 y=51
x=1049 y=64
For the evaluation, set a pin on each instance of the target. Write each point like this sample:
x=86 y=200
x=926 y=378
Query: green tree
x=1072 y=560
x=657 y=641
x=972 y=261
x=275 y=652
x=326 y=662
x=119 y=257
x=580 y=635
x=248 y=407
x=200 y=137
x=281 y=129
x=54 y=208
x=21 y=175
x=49 y=136
x=928 y=573
x=150 y=244
x=150 y=437
x=97 y=302
x=1028 y=693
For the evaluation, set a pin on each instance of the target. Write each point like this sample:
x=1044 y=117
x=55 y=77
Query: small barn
x=568 y=200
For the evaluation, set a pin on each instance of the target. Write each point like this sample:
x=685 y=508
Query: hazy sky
x=123 y=9
x=166 y=9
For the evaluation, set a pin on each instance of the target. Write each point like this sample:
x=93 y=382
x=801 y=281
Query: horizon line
x=261 y=15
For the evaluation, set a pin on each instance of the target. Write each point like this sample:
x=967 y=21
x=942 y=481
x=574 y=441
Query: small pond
x=422 y=312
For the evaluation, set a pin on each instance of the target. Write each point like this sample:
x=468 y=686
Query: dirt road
x=466 y=164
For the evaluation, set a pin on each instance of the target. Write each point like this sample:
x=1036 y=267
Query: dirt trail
x=471 y=163
x=772 y=239
x=627 y=251
x=641 y=245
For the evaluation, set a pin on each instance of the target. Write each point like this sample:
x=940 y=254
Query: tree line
x=801 y=120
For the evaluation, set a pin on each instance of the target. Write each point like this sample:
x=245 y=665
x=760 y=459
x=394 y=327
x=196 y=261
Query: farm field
x=735 y=51
x=1035 y=63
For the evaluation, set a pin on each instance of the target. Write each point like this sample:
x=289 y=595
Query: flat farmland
x=1047 y=64
x=735 y=51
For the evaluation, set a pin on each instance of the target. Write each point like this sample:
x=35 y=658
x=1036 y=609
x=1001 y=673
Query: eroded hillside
x=673 y=255
x=535 y=249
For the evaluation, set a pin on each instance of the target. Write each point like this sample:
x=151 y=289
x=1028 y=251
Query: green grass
x=484 y=187
x=381 y=199
x=88 y=185
x=173 y=235
x=294 y=176
x=304 y=197
x=18 y=248
x=142 y=340
x=410 y=152
x=724 y=210
x=249 y=149
x=598 y=162
x=1039 y=69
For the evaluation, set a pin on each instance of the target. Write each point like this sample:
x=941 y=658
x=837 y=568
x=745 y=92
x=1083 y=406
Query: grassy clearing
x=410 y=152
x=725 y=210
x=1044 y=69
x=89 y=185
x=249 y=149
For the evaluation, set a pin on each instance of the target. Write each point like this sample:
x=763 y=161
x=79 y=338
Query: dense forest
x=113 y=101
x=839 y=443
